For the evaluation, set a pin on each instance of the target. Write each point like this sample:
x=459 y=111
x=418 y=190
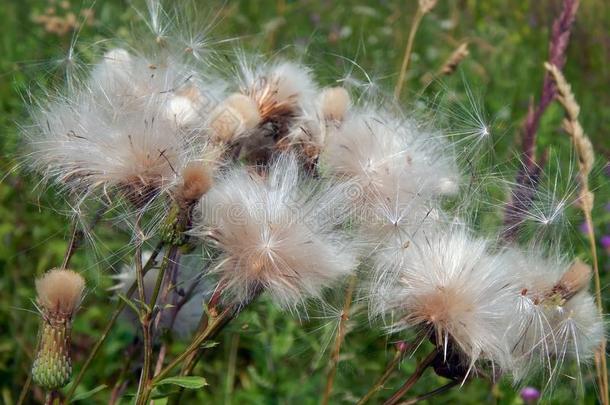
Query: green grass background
x=266 y=356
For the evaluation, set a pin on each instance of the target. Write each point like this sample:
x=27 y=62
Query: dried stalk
x=424 y=7
x=586 y=158
x=419 y=371
x=430 y=394
x=456 y=57
x=378 y=386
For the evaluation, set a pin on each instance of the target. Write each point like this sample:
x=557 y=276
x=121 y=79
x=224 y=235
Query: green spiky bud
x=53 y=366
x=59 y=295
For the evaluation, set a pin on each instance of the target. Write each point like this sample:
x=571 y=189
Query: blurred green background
x=269 y=357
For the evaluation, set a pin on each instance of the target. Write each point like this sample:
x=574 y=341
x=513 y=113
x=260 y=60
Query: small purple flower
x=605 y=242
x=607 y=207
x=530 y=395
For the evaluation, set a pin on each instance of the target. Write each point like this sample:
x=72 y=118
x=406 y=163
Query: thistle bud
x=335 y=102
x=575 y=279
x=237 y=113
x=59 y=294
x=197 y=180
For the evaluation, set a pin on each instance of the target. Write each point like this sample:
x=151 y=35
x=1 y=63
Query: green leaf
x=129 y=303
x=87 y=394
x=209 y=344
x=189 y=382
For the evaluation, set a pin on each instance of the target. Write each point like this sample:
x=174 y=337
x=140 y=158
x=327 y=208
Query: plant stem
x=164 y=265
x=600 y=354
x=143 y=393
x=145 y=316
x=25 y=389
x=231 y=367
x=334 y=358
x=437 y=391
x=419 y=371
x=189 y=364
x=584 y=150
x=119 y=307
x=213 y=325
x=209 y=327
x=417 y=18
x=383 y=379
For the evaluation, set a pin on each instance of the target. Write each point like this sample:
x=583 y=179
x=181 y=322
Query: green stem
x=231 y=367
x=214 y=324
x=142 y=393
x=334 y=358
x=162 y=270
x=119 y=308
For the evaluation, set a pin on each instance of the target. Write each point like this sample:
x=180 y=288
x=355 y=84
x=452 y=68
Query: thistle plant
x=59 y=293
x=253 y=180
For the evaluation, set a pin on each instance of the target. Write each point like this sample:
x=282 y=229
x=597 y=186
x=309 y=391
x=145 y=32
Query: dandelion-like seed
x=274 y=233
x=450 y=287
x=400 y=169
x=129 y=127
x=555 y=316
x=59 y=294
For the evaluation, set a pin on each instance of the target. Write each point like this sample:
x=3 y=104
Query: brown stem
x=213 y=326
x=407 y=55
x=378 y=386
x=334 y=357
x=203 y=324
x=419 y=371
x=437 y=391
x=121 y=382
x=209 y=326
x=25 y=389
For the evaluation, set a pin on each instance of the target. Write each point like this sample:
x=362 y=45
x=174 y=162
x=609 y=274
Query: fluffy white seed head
x=59 y=292
x=400 y=169
x=554 y=316
x=390 y=156
x=275 y=233
x=121 y=129
x=448 y=285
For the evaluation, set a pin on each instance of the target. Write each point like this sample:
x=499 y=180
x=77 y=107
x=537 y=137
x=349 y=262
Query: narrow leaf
x=88 y=394
x=189 y=382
